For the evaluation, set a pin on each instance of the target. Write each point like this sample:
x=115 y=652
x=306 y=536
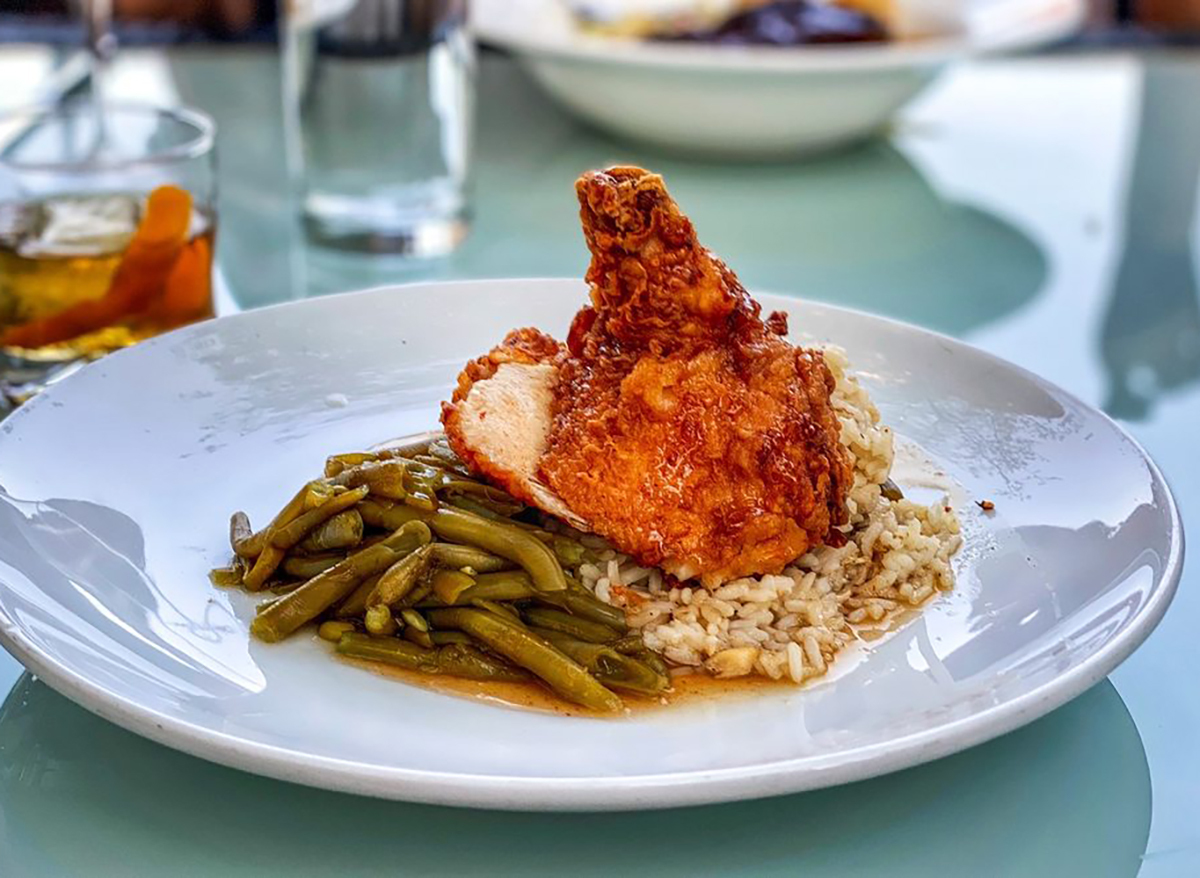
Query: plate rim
x=608 y=793
x=1068 y=17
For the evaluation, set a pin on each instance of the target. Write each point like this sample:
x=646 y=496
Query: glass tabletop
x=1044 y=209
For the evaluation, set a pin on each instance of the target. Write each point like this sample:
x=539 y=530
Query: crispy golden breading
x=523 y=347
x=685 y=429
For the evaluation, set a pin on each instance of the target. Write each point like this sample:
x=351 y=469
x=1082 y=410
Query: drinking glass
x=378 y=102
x=107 y=222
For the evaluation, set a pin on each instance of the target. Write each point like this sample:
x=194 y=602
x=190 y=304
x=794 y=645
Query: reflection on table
x=1068 y=795
x=1150 y=339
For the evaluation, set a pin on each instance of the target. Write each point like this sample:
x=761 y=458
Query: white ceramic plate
x=756 y=102
x=116 y=486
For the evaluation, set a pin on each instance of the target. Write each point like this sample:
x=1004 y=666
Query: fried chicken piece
x=680 y=426
x=499 y=417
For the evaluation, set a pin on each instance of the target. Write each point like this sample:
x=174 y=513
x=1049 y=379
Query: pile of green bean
x=403 y=558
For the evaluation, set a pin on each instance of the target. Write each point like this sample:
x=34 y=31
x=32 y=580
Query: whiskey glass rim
x=197 y=142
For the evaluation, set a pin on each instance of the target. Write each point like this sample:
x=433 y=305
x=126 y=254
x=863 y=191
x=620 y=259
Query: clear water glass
x=378 y=102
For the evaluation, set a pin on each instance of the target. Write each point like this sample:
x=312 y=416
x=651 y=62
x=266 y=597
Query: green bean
x=379 y=620
x=415 y=596
x=417 y=636
x=319 y=491
x=271 y=556
x=498 y=501
x=511 y=640
x=629 y=644
x=504 y=540
x=385 y=478
x=389 y=516
x=511 y=585
x=421 y=472
x=327 y=588
x=470 y=504
x=410 y=446
x=338 y=463
x=279 y=587
x=425 y=472
x=499 y=609
x=608 y=665
x=225 y=577
x=342 y=531
x=303 y=499
x=413 y=619
x=409 y=537
x=308 y=566
x=425 y=501
x=891 y=491
x=569 y=552
x=580 y=629
x=356 y=604
x=482 y=489
x=422 y=477
x=267 y=563
x=373 y=508
x=475 y=507
x=449 y=584
x=654 y=661
x=458 y=660
x=333 y=631
x=466 y=660
x=442 y=638
x=457 y=557
x=242 y=538
x=586 y=605
x=457 y=469
x=399 y=579
x=443 y=452
x=309 y=522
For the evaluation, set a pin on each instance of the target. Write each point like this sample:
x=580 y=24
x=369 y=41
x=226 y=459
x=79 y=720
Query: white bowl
x=760 y=102
x=116 y=485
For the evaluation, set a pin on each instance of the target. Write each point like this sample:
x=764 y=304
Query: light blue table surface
x=1044 y=209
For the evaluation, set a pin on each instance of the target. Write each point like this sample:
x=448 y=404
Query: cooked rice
x=897 y=556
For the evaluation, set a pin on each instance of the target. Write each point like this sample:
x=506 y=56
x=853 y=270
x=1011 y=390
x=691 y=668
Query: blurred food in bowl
x=751 y=100
x=768 y=22
x=789 y=23
x=644 y=19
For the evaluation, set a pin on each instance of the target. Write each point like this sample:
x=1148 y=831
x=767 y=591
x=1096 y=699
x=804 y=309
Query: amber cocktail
x=106 y=232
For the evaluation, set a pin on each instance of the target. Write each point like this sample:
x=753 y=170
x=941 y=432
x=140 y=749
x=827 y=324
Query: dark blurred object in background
x=1117 y=21
x=1167 y=14
x=141 y=21
x=152 y=21
x=216 y=16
